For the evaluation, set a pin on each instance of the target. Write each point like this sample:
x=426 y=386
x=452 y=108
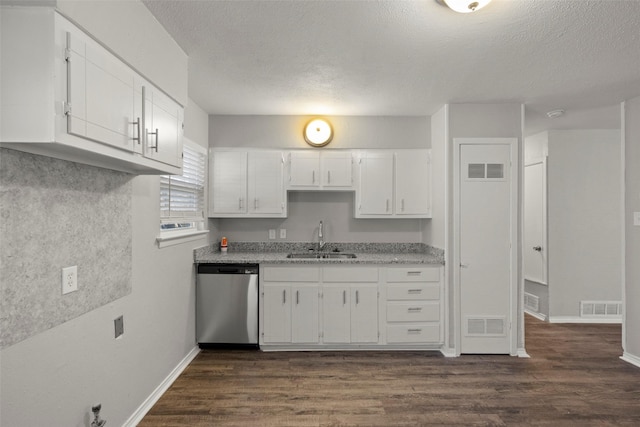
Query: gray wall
x=336 y=209
x=54 y=377
x=584 y=219
x=632 y=233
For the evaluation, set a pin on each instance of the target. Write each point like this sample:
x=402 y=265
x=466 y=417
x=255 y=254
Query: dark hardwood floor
x=574 y=377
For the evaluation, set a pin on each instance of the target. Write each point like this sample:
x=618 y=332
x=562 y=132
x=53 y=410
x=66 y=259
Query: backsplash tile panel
x=55 y=214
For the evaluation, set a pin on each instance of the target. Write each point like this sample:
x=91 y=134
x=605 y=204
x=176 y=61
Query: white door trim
x=515 y=185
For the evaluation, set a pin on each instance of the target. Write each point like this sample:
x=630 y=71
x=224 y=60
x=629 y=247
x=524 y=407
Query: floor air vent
x=485 y=326
x=531 y=302
x=600 y=309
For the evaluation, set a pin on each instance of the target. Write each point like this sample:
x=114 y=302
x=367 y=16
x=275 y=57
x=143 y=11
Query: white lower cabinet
x=342 y=307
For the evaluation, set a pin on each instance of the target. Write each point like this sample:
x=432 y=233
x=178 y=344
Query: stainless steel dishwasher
x=227 y=305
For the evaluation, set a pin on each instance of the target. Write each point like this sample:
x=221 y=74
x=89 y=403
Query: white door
x=486 y=239
x=376 y=184
x=304 y=315
x=265 y=184
x=336 y=314
x=412 y=180
x=364 y=314
x=535 y=224
x=276 y=326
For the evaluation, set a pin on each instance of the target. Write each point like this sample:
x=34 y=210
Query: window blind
x=182 y=196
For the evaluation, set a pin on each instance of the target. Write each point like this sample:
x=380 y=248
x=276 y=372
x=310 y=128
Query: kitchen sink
x=315 y=255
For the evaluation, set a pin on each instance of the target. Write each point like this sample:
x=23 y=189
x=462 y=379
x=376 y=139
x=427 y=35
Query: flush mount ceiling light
x=318 y=132
x=466 y=6
x=554 y=114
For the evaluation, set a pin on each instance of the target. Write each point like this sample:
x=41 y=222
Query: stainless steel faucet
x=321 y=241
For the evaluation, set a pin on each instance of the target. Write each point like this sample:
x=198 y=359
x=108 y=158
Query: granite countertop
x=276 y=253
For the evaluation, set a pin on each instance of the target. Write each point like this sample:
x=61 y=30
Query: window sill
x=177 y=237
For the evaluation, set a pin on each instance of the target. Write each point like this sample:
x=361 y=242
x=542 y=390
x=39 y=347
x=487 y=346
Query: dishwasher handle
x=227 y=269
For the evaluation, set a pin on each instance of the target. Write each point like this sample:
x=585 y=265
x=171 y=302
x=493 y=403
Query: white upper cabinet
x=413 y=183
x=394 y=184
x=228 y=183
x=64 y=95
x=246 y=184
x=375 y=192
x=320 y=170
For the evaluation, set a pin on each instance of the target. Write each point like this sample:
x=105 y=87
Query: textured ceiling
x=406 y=57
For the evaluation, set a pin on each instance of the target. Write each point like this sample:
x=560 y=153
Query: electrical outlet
x=283 y=233
x=272 y=234
x=119 y=326
x=69 y=279
x=636 y=218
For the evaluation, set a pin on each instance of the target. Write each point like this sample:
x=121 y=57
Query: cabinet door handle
x=153 y=133
x=414 y=309
x=297 y=297
x=414 y=291
x=137 y=123
x=313 y=177
x=255 y=203
x=344 y=297
x=328 y=177
x=414 y=273
x=402 y=203
x=387 y=209
x=414 y=331
x=284 y=296
x=357 y=297
x=239 y=203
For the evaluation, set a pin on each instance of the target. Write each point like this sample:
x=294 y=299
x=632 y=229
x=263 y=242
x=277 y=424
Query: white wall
x=335 y=209
x=632 y=233
x=54 y=378
x=439 y=138
x=584 y=200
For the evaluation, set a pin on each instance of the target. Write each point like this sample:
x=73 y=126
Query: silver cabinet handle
x=284 y=296
x=297 y=297
x=414 y=331
x=153 y=133
x=239 y=203
x=414 y=309
x=387 y=208
x=137 y=123
x=537 y=248
x=414 y=273
x=255 y=203
x=414 y=291
x=328 y=177
x=344 y=297
x=402 y=205
x=357 y=297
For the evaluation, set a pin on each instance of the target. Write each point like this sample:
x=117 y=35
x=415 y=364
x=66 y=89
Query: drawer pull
x=414 y=331
x=414 y=291
x=414 y=309
x=414 y=273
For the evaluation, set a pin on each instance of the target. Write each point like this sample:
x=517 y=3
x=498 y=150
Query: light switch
x=283 y=233
x=636 y=218
x=272 y=234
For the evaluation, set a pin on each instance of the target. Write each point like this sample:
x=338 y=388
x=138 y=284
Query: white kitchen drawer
x=348 y=274
x=291 y=274
x=413 y=291
x=417 y=311
x=413 y=274
x=415 y=333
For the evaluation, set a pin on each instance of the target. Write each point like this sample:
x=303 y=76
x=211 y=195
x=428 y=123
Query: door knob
x=463 y=265
x=537 y=248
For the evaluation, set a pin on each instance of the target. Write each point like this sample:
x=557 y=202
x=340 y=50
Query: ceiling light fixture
x=318 y=132
x=466 y=6
x=554 y=114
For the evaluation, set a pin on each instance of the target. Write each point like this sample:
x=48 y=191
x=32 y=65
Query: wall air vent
x=485 y=326
x=531 y=302
x=601 y=309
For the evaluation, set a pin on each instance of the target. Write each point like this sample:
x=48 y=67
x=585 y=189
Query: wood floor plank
x=573 y=378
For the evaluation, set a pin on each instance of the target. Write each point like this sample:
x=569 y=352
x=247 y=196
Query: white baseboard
x=575 y=319
x=146 y=406
x=630 y=358
x=538 y=316
x=448 y=352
